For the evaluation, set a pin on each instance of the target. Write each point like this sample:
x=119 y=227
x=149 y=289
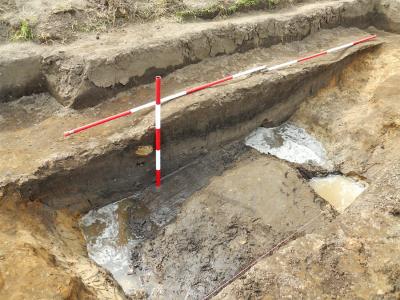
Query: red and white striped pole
x=217 y=82
x=158 y=131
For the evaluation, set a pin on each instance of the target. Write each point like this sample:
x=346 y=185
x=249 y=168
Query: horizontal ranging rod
x=217 y=82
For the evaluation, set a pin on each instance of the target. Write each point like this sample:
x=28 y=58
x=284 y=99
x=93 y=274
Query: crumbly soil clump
x=43 y=256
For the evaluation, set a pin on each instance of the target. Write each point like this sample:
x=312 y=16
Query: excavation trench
x=305 y=157
x=222 y=204
x=211 y=217
x=232 y=111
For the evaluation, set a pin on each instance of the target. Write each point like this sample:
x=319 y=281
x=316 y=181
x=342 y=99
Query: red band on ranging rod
x=158 y=178
x=158 y=139
x=217 y=82
x=363 y=40
x=94 y=124
x=208 y=85
x=312 y=56
x=158 y=131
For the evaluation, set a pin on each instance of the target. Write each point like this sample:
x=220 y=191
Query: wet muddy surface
x=108 y=244
x=254 y=202
x=116 y=233
x=356 y=256
x=185 y=245
x=293 y=144
x=222 y=204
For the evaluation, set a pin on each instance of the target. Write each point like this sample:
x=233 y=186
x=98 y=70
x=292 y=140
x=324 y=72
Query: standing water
x=290 y=143
x=339 y=191
x=294 y=144
x=107 y=243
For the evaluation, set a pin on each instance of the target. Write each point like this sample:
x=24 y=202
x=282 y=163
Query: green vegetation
x=203 y=13
x=225 y=10
x=23 y=33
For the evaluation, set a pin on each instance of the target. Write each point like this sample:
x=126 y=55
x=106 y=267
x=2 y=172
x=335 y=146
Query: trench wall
x=82 y=80
x=230 y=113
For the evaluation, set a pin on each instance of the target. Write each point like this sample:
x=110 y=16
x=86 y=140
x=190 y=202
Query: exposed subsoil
x=356 y=256
x=222 y=205
x=43 y=256
x=93 y=69
x=225 y=225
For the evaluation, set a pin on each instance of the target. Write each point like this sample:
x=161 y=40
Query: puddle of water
x=107 y=244
x=115 y=233
x=339 y=191
x=290 y=143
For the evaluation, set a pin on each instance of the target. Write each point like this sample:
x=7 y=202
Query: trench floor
x=195 y=238
x=356 y=256
x=183 y=242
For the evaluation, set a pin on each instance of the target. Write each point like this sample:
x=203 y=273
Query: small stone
x=144 y=150
x=380 y=292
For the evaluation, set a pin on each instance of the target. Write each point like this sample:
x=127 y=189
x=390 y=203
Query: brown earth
x=43 y=256
x=355 y=257
x=42 y=252
x=48 y=167
x=93 y=69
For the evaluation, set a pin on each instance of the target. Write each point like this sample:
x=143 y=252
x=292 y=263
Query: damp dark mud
x=215 y=219
x=207 y=222
x=222 y=205
x=356 y=120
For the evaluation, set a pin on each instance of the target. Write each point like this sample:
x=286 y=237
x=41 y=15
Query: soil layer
x=194 y=237
x=357 y=255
